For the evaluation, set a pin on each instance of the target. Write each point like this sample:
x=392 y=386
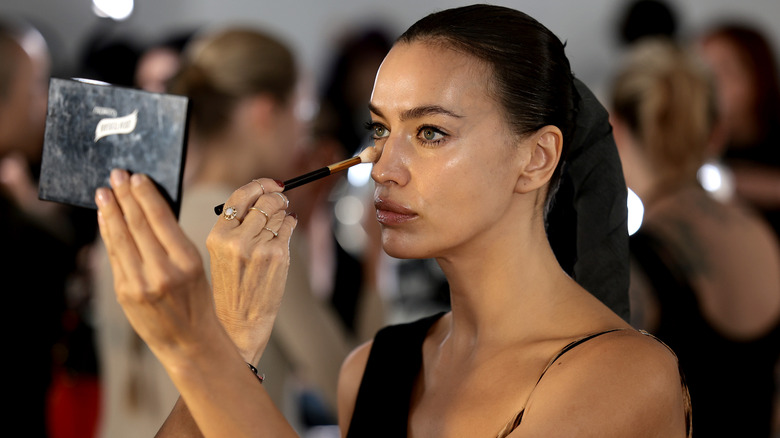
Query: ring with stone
x=230 y=213
x=272 y=231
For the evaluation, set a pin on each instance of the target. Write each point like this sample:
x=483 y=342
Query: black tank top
x=382 y=404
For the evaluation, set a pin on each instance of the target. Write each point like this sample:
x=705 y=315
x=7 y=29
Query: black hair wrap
x=587 y=222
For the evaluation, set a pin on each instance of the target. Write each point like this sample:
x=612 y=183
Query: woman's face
x=447 y=172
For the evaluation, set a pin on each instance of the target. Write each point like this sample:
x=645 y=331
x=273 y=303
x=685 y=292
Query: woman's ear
x=545 y=147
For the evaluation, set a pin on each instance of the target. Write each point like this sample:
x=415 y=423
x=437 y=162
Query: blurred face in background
x=279 y=144
x=23 y=108
x=736 y=93
x=155 y=68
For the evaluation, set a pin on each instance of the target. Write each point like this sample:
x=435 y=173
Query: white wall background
x=311 y=27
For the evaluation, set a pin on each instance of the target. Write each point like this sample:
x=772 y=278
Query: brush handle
x=309 y=177
x=305 y=178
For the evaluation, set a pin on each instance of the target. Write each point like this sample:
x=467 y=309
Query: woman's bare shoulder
x=620 y=384
x=350 y=376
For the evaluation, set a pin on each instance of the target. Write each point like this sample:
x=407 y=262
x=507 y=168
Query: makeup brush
x=368 y=155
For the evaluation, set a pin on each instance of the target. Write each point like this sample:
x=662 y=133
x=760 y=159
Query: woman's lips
x=390 y=213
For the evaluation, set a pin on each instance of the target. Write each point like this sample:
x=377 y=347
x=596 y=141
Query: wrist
x=192 y=362
x=250 y=339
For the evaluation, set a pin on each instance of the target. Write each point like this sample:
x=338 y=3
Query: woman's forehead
x=415 y=73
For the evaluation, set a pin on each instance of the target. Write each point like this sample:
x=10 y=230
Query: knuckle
x=213 y=240
x=192 y=265
x=271 y=253
x=243 y=192
x=135 y=290
x=161 y=283
x=119 y=239
x=134 y=221
x=157 y=215
x=234 y=247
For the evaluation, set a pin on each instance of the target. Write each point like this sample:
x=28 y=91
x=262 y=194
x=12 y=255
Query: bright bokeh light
x=718 y=180
x=114 y=9
x=358 y=176
x=636 y=212
x=349 y=210
x=710 y=177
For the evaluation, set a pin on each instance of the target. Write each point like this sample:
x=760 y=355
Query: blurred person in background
x=339 y=275
x=159 y=61
x=349 y=80
x=646 y=18
x=26 y=68
x=50 y=362
x=705 y=276
x=109 y=58
x=748 y=93
x=245 y=122
x=340 y=128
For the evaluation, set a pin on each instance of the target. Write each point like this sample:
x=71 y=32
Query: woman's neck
x=504 y=285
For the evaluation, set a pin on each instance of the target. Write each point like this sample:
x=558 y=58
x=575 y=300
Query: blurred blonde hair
x=223 y=67
x=666 y=98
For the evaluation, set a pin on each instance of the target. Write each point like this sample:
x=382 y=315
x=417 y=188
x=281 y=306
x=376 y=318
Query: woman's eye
x=431 y=134
x=377 y=130
x=380 y=131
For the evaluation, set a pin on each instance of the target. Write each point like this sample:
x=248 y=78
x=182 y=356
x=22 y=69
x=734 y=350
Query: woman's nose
x=393 y=162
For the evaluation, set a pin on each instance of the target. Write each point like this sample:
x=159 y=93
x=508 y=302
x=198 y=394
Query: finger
x=266 y=205
x=256 y=217
x=285 y=201
x=270 y=185
x=160 y=217
x=271 y=228
x=116 y=267
x=122 y=252
x=237 y=205
x=287 y=227
x=145 y=239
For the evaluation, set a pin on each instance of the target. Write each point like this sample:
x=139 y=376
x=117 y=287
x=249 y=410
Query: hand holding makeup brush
x=369 y=155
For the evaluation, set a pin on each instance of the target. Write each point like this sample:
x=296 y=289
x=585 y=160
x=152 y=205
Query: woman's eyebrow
x=417 y=112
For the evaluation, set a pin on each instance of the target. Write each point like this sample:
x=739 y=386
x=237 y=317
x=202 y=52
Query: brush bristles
x=369 y=155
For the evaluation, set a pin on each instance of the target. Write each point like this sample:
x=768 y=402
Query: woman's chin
x=404 y=248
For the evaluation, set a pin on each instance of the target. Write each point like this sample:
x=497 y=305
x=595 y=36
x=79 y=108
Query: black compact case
x=92 y=128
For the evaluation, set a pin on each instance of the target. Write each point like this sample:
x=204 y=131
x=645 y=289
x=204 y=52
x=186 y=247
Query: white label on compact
x=118 y=125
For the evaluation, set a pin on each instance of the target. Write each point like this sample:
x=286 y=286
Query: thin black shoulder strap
x=568 y=348
x=515 y=422
x=512 y=425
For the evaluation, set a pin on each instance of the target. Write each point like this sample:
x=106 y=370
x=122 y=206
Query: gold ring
x=272 y=231
x=230 y=213
x=261 y=185
x=261 y=211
